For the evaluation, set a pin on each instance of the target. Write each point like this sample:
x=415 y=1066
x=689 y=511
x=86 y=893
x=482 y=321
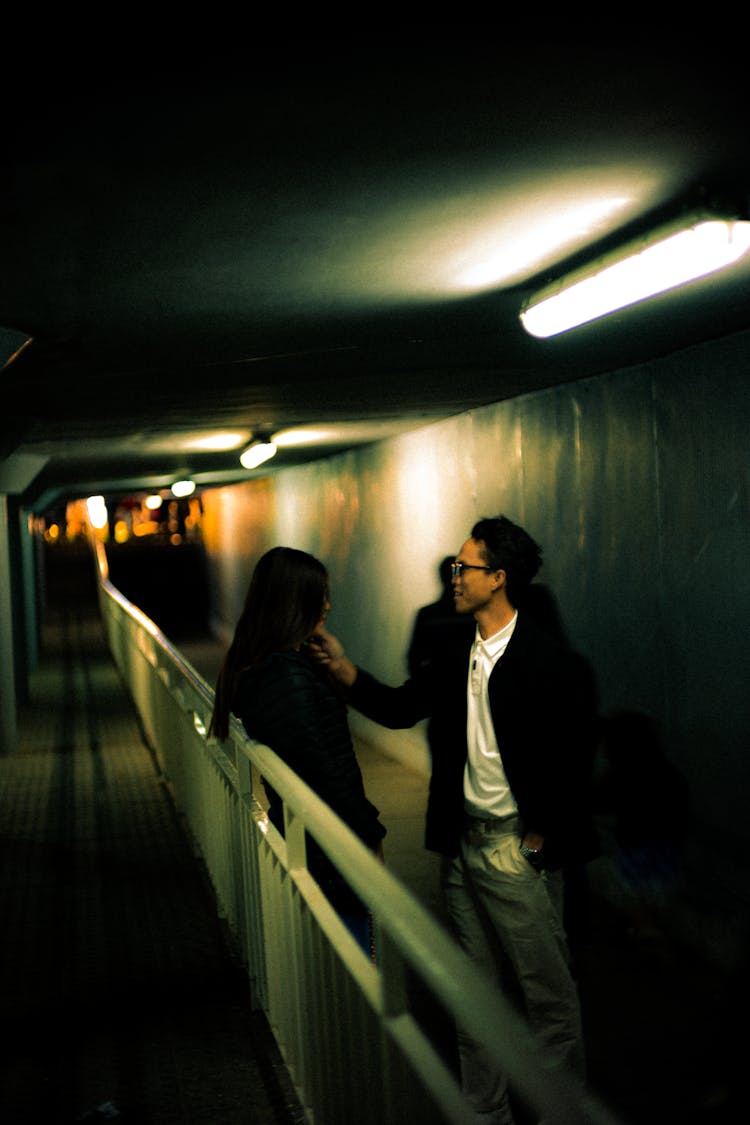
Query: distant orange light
x=147 y=527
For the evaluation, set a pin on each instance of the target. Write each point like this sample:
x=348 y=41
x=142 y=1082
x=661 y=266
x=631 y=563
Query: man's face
x=474 y=586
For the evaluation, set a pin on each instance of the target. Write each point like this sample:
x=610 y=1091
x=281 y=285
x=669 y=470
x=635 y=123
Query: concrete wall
x=636 y=485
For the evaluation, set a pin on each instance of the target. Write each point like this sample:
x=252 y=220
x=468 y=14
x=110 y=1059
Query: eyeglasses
x=457 y=568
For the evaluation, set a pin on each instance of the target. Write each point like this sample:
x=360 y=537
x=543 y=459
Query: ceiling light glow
x=508 y=255
x=307 y=435
x=341 y=433
x=669 y=262
x=217 y=442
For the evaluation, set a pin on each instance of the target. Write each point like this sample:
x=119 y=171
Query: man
x=508 y=796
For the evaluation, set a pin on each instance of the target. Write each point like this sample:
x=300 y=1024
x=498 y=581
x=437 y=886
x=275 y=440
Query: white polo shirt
x=486 y=789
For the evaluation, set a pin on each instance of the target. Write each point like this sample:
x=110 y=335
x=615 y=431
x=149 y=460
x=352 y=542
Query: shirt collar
x=498 y=640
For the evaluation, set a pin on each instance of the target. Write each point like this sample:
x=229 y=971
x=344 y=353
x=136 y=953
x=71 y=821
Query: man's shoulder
x=534 y=654
x=529 y=637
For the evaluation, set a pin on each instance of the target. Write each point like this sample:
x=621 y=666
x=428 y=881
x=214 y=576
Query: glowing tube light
x=257 y=453
x=182 y=488
x=672 y=261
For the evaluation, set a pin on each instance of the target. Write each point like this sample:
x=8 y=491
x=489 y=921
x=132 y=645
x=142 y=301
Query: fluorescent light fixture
x=257 y=453
x=182 y=488
x=665 y=262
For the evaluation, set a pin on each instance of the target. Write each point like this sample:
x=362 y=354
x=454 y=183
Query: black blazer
x=544 y=712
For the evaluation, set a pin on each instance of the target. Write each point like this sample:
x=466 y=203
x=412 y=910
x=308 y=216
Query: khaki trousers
x=504 y=916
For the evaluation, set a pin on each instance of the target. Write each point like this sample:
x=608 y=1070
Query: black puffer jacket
x=286 y=703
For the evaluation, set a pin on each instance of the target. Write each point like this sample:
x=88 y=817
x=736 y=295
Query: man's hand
x=327 y=650
x=532 y=846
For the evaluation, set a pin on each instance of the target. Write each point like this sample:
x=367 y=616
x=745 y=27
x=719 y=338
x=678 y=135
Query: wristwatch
x=532 y=855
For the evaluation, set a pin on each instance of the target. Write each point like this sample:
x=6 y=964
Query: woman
x=286 y=701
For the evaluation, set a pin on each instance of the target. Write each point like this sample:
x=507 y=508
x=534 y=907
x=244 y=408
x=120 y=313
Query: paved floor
x=119 y=993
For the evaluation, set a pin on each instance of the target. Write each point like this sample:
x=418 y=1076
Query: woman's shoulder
x=277 y=666
x=280 y=692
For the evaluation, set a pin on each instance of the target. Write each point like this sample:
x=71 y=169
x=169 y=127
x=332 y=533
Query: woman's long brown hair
x=283 y=605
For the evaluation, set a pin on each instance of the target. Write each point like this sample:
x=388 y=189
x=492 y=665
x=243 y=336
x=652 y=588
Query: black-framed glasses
x=457 y=568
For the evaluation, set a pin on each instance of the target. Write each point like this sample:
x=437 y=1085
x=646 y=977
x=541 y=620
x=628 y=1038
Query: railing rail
x=353 y=1048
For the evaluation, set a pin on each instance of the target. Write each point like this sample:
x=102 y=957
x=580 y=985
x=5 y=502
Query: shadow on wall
x=647 y=802
x=437 y=624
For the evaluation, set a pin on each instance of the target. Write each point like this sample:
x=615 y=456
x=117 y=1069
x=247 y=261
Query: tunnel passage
x=168 y=583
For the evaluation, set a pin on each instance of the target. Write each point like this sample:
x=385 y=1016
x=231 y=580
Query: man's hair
x=506 y=546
